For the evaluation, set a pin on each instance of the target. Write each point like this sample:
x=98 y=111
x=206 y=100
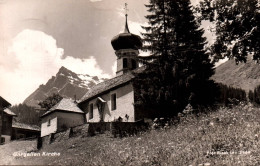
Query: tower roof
x=126 y=40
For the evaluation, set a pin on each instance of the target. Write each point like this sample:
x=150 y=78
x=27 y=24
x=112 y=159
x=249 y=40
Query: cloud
x=38 y=58
x=114 y=68
x=195 y=2
x=84 y=66
x=209 y=31
x=95 y=0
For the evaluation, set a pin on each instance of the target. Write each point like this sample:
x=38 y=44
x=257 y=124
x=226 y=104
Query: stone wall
x=81 y=130
x=122 y=129
x=112 y=129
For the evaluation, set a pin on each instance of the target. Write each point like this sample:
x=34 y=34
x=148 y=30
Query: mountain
x=66 y=83
x=244 y=75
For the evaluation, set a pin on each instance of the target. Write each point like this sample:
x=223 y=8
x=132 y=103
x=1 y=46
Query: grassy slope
x=244 y=75
x=228 y=130
x=7 y=150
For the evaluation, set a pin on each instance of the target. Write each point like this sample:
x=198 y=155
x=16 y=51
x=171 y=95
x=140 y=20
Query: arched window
x=113 y=102
x=124 y=62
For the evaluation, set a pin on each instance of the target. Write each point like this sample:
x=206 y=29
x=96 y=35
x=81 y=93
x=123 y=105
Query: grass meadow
x=228 y=136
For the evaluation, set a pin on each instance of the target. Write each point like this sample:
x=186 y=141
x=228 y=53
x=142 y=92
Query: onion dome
x=126 y=40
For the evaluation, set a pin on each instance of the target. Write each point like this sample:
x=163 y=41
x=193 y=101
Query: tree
x=227 y=93
x=178 y=68
x=254 y=96
x=50 y=101
x=237 y=27
x=26 y=114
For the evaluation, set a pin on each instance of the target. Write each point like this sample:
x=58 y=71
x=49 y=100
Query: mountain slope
x=244 y=75
x=66 y=83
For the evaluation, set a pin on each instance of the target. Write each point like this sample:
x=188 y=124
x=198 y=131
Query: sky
x=38 y=37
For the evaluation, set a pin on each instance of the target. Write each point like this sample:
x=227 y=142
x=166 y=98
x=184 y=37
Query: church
x=109 y=101
x=113 y=99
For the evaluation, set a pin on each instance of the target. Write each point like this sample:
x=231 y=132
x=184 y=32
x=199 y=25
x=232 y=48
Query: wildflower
x=256 y=136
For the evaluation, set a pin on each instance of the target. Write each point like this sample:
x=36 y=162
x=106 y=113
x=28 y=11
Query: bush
x=254 y=96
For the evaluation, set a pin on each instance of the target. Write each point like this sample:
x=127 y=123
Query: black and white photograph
x=130 y=82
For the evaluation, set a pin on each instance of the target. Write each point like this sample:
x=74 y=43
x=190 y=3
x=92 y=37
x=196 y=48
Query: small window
x=133 y=64
x=4 y=127
x=91 y=108
x=113 y=101
x=49 y=122
x=2 y=139
x=124 y=63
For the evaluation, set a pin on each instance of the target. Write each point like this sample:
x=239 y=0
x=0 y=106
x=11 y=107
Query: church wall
x=124 y=105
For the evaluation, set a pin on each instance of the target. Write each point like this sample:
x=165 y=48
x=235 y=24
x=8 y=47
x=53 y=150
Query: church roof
x=110 y=84
x=67 y=105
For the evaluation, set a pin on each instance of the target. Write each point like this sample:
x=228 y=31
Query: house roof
x=4 y=102
x=25 y=126
x=9 y=112
x=67 y=105
x=110 y=84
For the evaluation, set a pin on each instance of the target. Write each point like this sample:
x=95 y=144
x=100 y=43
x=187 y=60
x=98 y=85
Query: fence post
x=39 y=142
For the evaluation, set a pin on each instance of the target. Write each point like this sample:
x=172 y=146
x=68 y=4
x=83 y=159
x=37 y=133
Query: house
x=6 y=118
x=113 y=99
x=23 y=131
x=63 y=115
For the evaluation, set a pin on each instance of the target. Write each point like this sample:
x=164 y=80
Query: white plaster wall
x=59 y=119
x=45 y=129
x=125 y=100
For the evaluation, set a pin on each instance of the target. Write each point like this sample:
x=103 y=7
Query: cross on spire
x=126 y=9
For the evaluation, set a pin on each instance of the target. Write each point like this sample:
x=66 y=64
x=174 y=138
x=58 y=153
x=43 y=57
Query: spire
x=126 y=25
x=126 y=40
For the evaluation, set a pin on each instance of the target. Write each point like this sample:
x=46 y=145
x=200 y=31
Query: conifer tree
x=237 y=27
x=179 y=68
x=50 y=101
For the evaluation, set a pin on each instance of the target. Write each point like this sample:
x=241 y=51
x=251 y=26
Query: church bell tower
x=126 y=47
